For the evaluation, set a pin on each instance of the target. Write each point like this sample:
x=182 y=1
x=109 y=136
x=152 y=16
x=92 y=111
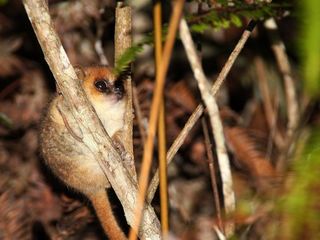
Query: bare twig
x=99 y=50
x=271 y=113
x=279 y=51
x=233 y=56
x=213 y=111
x=212 y=172
x=219 y=233
x=158 y=92
x=95 y=137
x=138 y=114
x=123 y=41
x=98 y=43
x=274 y=129
x=199 y=110
x=283 y=63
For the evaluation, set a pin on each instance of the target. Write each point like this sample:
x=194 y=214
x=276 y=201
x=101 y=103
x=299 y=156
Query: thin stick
x=199 y=110
x=161 y=128
x=233 y=56
x=138 y=114
x=279 y=51
x=99 y=50
x=271 y=114
x=98 y=42
x=148 y=148
x=213 y=111
x=212 y=172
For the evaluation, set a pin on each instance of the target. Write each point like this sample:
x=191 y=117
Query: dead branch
x=271 y=113
x=283 y=63
x=213 y=111
x=213 y=177
x=123 y=41
x=279 y=51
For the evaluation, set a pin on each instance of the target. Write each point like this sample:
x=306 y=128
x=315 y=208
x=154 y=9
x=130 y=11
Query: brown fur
x=70 y=160
x=103 y=209
x=93 y=73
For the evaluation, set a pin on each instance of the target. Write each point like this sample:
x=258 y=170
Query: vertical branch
x=123 y=41
x=158 y=92
x=138 y=114
x=212 y=172
x=271 y=113
x=157 y=11
x=279 y=51
x=213 y=111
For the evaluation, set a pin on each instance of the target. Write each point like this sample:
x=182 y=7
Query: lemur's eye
x=102 y=85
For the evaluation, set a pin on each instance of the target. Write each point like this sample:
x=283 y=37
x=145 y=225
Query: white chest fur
x=111 y=114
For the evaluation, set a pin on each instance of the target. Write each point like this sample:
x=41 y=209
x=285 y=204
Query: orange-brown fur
x=70 y=160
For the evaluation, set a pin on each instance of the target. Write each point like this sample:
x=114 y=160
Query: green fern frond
x=226 y=16
x=126 y=58
x=132 y=53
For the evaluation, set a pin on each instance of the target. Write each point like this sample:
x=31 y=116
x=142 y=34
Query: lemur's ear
x=80 y=72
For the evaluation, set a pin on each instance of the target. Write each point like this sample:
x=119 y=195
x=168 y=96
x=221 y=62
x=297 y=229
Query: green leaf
x=223 y=2
x=222 y=23
x=227 y=15
x=235 y=20
x=199 y=28
x=5 y=121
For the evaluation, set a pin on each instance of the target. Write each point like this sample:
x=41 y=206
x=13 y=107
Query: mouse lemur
x=68 y=158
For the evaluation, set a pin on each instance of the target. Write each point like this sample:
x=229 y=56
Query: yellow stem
x=161 y=127
x=154 y=114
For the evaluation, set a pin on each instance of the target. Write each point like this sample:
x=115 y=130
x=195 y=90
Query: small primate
x=65 y=154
